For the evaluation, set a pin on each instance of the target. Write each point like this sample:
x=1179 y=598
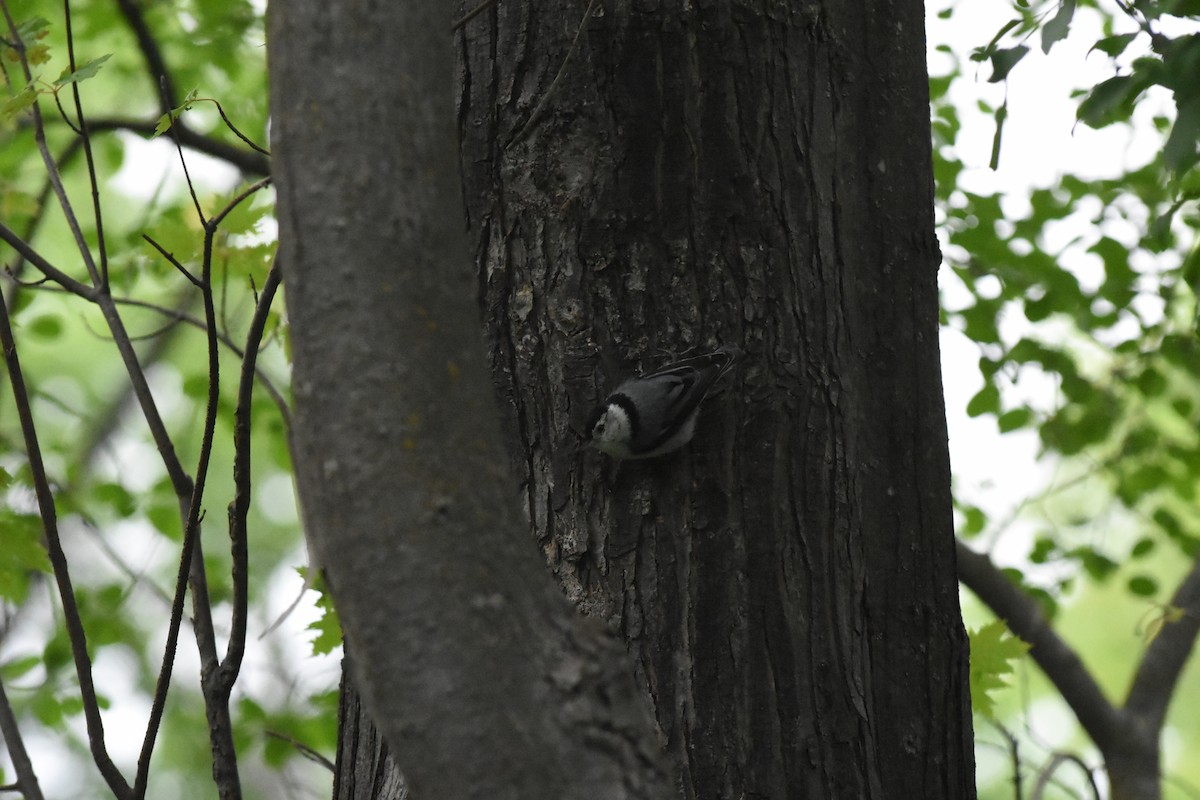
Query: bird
x=654 y=414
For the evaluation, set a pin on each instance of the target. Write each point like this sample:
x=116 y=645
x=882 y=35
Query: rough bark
x=482 y=678
x=365 y=769
x=758 y=174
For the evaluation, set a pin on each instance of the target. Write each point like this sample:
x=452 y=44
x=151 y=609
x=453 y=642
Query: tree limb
x=1164 y=660
x=58 y=560
x=27 y=782
x=1062 y=665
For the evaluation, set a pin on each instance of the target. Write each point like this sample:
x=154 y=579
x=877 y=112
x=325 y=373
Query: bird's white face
x=612 y=432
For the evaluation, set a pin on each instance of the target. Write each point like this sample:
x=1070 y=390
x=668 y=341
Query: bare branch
x=303 y=749
x=170 y=257
x=69 y=152
x=49 y=270
x=229 y=124
x=1046 y=774
x=27 y=782
x=1158 y=674
x=58 y=559
x=39 y=136
x=240 y=506
x=1061 y=664
x=87 y=149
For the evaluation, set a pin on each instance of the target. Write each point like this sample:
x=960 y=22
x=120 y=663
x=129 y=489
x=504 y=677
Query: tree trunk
x=482 y=678
x=758 y=174
x=365 y=769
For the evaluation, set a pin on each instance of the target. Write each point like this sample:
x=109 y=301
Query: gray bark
x=482 y=678
x=757 y=174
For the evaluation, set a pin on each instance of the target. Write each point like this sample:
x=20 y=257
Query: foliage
x=993 y=651
x=1087 y=286
x=180 y=257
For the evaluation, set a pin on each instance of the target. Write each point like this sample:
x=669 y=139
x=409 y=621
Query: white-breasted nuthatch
x=656 y=413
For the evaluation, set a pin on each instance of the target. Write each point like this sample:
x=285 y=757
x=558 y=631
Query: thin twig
x=239 y=508
x=27 y=782
x=1046 y=774
x=58 y=560
x=229 y=124
x=87 y=152
x=1014 y=753
x=170 y=257
x=303 y=749
x=187 y=176
x=49 y=270
x=45 y=498
x=268 y=385
x=35 y=219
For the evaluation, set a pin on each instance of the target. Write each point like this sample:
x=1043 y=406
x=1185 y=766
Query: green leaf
x=329 y=632
x=11 y=670
x=1110 y=100
x=1143 y=586
x=993 y=651
x=985 y=401
x=997 y=137
x=1042 y=550
x=1004 y=60
x=1114 y=45
x=1179 y=151
x=1098 y=566
x=46 y=326
x=328 y=627
x=1143 y=548
x=47 y=709
x=1151 y=382
x=974 y=521
x=19 y=102
x=21 y=552
x=87 y=69
x=165 y=519
x=116 y=497
x=983 y=53
x=164 y=122
x=1014 y=419
x=1056 y=29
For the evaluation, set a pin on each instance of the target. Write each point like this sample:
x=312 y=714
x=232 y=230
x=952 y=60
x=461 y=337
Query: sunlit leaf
x=87 y=69
x=993 y=651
